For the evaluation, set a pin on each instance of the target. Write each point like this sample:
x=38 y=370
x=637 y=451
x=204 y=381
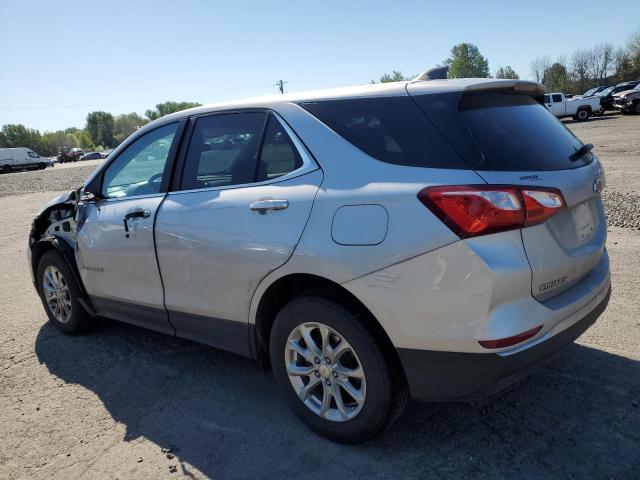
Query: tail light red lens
x=510 y=341
x=540 y=205
x=472 y=210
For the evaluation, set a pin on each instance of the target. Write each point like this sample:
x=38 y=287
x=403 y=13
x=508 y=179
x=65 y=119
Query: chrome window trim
x=133 y=197
x=308 y=165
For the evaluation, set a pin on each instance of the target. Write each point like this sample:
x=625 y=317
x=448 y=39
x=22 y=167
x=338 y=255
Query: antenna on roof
x=437 y=73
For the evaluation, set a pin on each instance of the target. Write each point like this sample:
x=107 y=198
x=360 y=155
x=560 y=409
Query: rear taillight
x=472 y=210
x=540 y=205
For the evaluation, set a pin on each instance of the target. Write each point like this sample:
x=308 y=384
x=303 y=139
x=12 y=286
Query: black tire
x=42 y=166
x=5 y=169
x=636 y=107
x=79 y=320
x=386 y=395
x=583 y=115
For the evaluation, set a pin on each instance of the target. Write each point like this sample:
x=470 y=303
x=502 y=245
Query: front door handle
x=266 y=205
x=140 y=213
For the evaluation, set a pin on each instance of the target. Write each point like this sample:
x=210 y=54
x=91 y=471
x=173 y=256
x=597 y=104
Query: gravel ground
x=616 y=139
x=622 y=209
x=122 y=402
x=68 y=176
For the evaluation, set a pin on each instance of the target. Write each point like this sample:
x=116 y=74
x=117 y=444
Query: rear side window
x=278 y=156
x=390 y=129
x=515 y=133
x=223 y=150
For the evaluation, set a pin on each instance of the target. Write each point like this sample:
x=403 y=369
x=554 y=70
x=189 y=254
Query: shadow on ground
x=593 y=118
x=578 y=418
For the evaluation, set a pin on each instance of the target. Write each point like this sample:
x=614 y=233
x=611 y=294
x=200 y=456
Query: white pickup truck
x=580 y=108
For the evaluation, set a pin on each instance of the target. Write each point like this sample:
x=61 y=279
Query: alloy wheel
x=57 y=294
x=325 y=372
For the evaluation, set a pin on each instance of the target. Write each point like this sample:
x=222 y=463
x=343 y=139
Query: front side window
x=33 y=155
x=223 y=150
x=557 y=98
x=139 y=169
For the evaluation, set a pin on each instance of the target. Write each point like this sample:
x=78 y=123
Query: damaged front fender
x=55 y=227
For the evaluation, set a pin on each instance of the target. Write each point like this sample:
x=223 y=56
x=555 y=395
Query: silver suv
x=434 y=239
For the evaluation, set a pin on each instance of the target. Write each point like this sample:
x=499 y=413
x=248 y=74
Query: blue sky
x=61 y=59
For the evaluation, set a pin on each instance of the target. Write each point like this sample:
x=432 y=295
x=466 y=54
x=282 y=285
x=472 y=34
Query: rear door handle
x=266 y=205
x=139 y=213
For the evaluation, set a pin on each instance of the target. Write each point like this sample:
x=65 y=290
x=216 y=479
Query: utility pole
x=280 y=84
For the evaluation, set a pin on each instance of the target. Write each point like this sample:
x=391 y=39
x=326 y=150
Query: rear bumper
x=438 y=375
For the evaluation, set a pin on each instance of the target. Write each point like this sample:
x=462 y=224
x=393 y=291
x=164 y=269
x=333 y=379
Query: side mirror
x=88 y=197
x=91 y=192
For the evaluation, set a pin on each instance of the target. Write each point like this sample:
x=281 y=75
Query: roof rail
x=437 y=73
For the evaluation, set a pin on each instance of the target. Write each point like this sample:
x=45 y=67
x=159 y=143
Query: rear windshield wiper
x=581 y=152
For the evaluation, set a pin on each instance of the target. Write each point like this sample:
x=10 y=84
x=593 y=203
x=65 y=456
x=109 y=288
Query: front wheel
x=59 y=293
x=582 y=115
x=333 y=372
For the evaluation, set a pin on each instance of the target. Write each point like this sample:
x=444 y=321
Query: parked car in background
x=607 y=95
x=628 y=101
x=594 y=91
x=580 y=108
x=106 y=153
x=437 y=239
x=69 y=155
x=91 y=156
x=21 y=158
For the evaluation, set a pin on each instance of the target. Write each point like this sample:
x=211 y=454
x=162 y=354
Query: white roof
x=367 y=90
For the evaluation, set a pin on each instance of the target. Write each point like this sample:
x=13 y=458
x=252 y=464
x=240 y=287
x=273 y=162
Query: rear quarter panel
x=351 y=177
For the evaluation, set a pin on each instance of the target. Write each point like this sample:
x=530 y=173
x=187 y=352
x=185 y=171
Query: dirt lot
x=124 y=403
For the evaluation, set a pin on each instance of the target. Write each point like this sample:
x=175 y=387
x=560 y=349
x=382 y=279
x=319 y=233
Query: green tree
x=394 y=76
x=166 y=108
x=633 y=47
x=17 y=135
x=84 y=140
x=507 y=72
x=100 y=128
x=71 y=140
x=125 y=124
x=466 y=61
x=555 y=78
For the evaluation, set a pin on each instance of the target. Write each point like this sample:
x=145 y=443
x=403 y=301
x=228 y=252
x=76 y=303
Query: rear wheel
x=332 y=371
x=59 y=293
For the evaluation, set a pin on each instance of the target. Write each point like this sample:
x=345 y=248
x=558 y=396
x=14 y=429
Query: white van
x=21 y=158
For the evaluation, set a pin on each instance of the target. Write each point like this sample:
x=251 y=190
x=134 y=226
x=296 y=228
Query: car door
x=236 y=215
x=115 y=249
x=557 y=105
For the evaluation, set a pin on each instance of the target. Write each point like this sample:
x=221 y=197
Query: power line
x=122 y=101
x=280 y=84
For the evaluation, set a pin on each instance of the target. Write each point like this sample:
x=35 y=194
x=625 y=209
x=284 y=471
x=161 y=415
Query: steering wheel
x=149 y=187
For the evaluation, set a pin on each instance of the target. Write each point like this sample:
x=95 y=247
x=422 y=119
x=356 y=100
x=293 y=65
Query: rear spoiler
x=533 y=89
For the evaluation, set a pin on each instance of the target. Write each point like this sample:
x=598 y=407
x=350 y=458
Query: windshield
x=606 y=91
x=588 y=93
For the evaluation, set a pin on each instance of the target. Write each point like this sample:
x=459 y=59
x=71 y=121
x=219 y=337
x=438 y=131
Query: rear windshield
x=390 y=129
x=516 y=133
